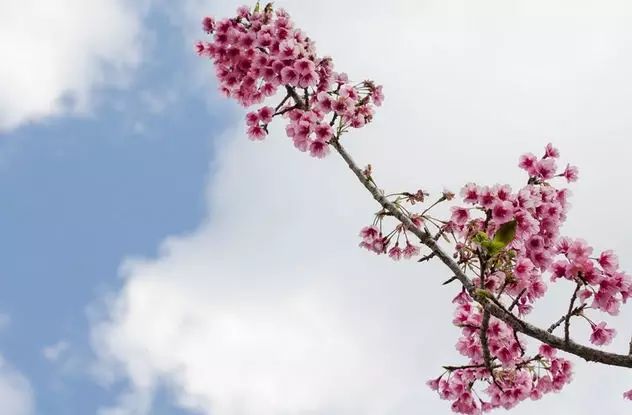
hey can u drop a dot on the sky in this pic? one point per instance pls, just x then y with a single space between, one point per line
155 261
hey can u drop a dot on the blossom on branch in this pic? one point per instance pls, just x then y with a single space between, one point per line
505 245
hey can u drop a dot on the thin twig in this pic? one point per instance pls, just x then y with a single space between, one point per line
427 257
515 334
556 324
567 320
515 302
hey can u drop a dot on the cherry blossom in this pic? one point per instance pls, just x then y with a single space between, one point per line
601 335
259 52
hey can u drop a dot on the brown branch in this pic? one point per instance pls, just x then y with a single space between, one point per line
427 257
278 107
586 353
487 356
556 324
515 335
567 320
515 302
449 281
299 102
480 365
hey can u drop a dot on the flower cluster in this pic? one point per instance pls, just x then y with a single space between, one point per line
530 379
257 52
538 210
510 376
397 243
510 241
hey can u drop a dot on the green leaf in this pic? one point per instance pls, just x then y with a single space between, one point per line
493 247
506 233
257 7
503 237
480 238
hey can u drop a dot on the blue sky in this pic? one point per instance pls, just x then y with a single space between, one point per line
83 192
151 253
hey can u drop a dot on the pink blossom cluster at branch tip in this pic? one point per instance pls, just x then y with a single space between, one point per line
508 241
257 52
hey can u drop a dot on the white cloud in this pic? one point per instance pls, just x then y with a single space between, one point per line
16 396
269 307
15 391
56 53
53 352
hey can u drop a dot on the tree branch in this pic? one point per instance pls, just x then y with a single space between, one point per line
586 353
487 356
567 320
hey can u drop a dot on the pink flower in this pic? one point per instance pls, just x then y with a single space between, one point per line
584 295
433 384
252 118
460 215
547 351
341 78
289 76
487 197
369 233
343 105
470 193
563 245
551 151
377 95
324 102
308 79
288 49
318 149
546 168
604 300
609 261
579 250
243 12
410 251
628 395
357 121
502 212
256 133
523 268
395 253
350 92
528 163
559 269
535 244
324 132
571 173
265 114
503 192
200 48
208 24
602 335
304 66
